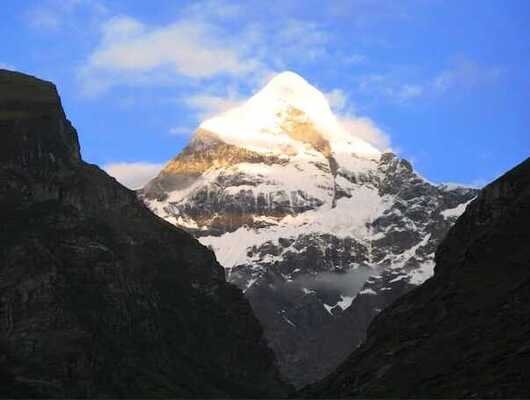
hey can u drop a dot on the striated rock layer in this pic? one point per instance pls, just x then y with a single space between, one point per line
466 331
317 227
98 296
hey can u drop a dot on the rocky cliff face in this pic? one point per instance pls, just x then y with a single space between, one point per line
98 296
464 332
317 227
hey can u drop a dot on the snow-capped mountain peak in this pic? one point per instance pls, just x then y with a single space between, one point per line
291 88
288 114
318 228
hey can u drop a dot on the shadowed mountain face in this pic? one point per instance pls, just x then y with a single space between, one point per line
466 331
98 296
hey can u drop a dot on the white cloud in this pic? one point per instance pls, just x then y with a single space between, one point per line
355 59
364 128
198 46
409 91
133 175
303 37
361 127
364 13
214 99
192 48
336 99
213 9
478 183
389 86
43 18
228 61
118 29
131 52
401 84
208 105
465 74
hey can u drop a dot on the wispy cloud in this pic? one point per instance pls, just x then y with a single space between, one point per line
221 64
303 37
399 85
199 46
131 52
44 18
354 59
363 13
192 49
478 183
133 175
362 127
214 9
366 129
207 105
52 15
465 74
389 86
337 99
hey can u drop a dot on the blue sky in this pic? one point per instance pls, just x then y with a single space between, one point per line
445 83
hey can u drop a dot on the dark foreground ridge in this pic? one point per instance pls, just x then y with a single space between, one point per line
466 331
98 296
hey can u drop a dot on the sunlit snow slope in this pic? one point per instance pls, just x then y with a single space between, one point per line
318 227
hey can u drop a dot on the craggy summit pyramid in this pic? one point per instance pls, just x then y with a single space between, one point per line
320 229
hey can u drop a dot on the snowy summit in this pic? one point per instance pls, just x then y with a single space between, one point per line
310 221
265 122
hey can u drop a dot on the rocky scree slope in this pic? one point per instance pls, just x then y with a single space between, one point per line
466 331
98 296
320 229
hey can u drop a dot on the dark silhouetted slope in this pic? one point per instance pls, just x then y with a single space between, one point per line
98 296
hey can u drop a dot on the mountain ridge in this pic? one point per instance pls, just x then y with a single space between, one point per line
464 333
100 297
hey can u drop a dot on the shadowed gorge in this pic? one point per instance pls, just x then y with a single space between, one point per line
98 296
